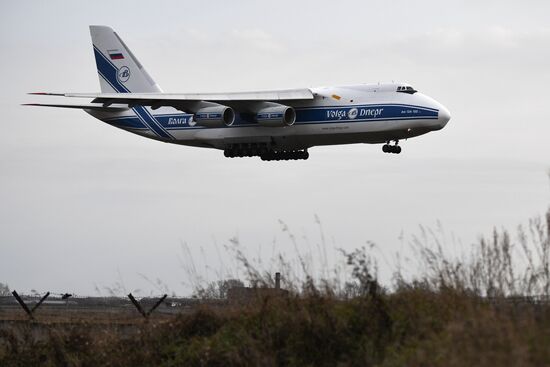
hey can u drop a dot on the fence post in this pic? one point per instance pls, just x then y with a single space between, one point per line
40 302
157 304
140 309
137 305
24 305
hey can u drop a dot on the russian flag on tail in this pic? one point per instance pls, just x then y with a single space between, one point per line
115 54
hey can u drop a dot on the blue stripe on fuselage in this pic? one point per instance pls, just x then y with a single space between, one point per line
150 121
308 115
363 113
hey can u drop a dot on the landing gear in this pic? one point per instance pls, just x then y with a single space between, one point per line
395 149
264 152
285 155
244 150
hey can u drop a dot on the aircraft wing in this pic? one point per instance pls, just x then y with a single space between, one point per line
81 106
170 99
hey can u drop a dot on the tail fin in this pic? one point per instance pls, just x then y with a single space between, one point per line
119 70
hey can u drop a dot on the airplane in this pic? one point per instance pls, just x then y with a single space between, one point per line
273 125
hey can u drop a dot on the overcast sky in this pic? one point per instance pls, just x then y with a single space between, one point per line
84 204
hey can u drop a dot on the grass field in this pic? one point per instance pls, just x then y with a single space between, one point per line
488 309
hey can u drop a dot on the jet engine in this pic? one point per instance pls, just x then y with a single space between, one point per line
215 116
276 115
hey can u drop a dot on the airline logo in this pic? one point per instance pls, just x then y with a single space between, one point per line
123 74
115 55
353 113
181 121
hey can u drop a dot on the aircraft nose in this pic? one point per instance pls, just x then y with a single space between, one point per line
443 116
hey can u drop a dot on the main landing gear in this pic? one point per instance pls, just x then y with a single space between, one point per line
265 152
387 148
285 155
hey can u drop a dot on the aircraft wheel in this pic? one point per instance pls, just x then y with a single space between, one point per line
386 148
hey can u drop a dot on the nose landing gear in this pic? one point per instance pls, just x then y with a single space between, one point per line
395 149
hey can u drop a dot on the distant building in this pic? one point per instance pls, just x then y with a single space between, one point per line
247 294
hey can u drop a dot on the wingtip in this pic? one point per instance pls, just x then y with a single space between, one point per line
30 104
45 94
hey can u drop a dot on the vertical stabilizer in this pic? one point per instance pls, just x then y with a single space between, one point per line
119 70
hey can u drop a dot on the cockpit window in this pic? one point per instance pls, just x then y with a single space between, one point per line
406 89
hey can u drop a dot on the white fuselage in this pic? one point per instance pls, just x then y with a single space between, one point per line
337 115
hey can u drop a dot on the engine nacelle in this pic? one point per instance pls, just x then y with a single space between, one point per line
215 116
277 115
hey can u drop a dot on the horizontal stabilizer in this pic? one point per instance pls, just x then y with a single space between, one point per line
81 107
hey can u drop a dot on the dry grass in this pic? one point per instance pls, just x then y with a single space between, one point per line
489 308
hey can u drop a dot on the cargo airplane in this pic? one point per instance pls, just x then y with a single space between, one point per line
273 125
